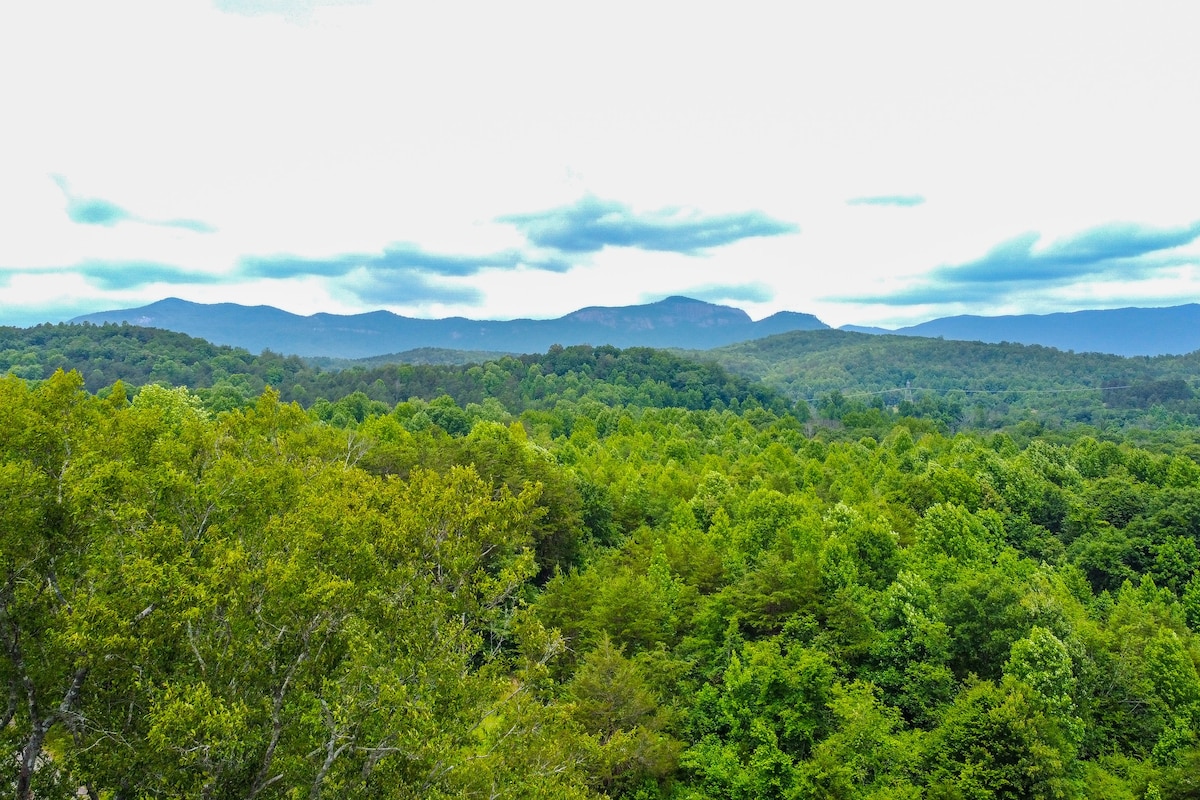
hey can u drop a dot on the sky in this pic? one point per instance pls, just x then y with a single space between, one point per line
872 163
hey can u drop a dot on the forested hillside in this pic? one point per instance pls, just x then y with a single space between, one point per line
642 579
228 378
971 383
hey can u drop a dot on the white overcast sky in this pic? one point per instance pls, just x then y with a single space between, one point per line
868 162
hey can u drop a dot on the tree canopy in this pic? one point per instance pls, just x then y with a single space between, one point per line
636 576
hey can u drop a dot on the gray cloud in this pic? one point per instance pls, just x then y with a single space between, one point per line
887 200
1122 251
291 10
400 258
411 257
408 287
548 263
96 211
284 266
1097 251
194 225
400 274
117 275
592 224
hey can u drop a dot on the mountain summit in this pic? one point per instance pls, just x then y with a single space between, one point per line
672 312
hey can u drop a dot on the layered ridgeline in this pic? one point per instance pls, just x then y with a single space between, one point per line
588 599
673 322
854 381
1122 331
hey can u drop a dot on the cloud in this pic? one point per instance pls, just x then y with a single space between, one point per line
746 292
548 263
117 275
411 257
412 288
400 258
592 224
905 200
397 258
284 266
96 211
1121 251
400 274
291 10
194 225
1100 250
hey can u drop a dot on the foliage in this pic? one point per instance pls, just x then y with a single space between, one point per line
606 573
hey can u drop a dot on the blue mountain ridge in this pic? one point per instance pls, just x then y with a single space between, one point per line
674 322
1173 330
679 322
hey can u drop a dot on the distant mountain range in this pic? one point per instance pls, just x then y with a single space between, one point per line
1120 331
673 322
679 322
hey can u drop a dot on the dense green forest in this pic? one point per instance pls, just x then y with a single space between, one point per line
971 384
587 573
